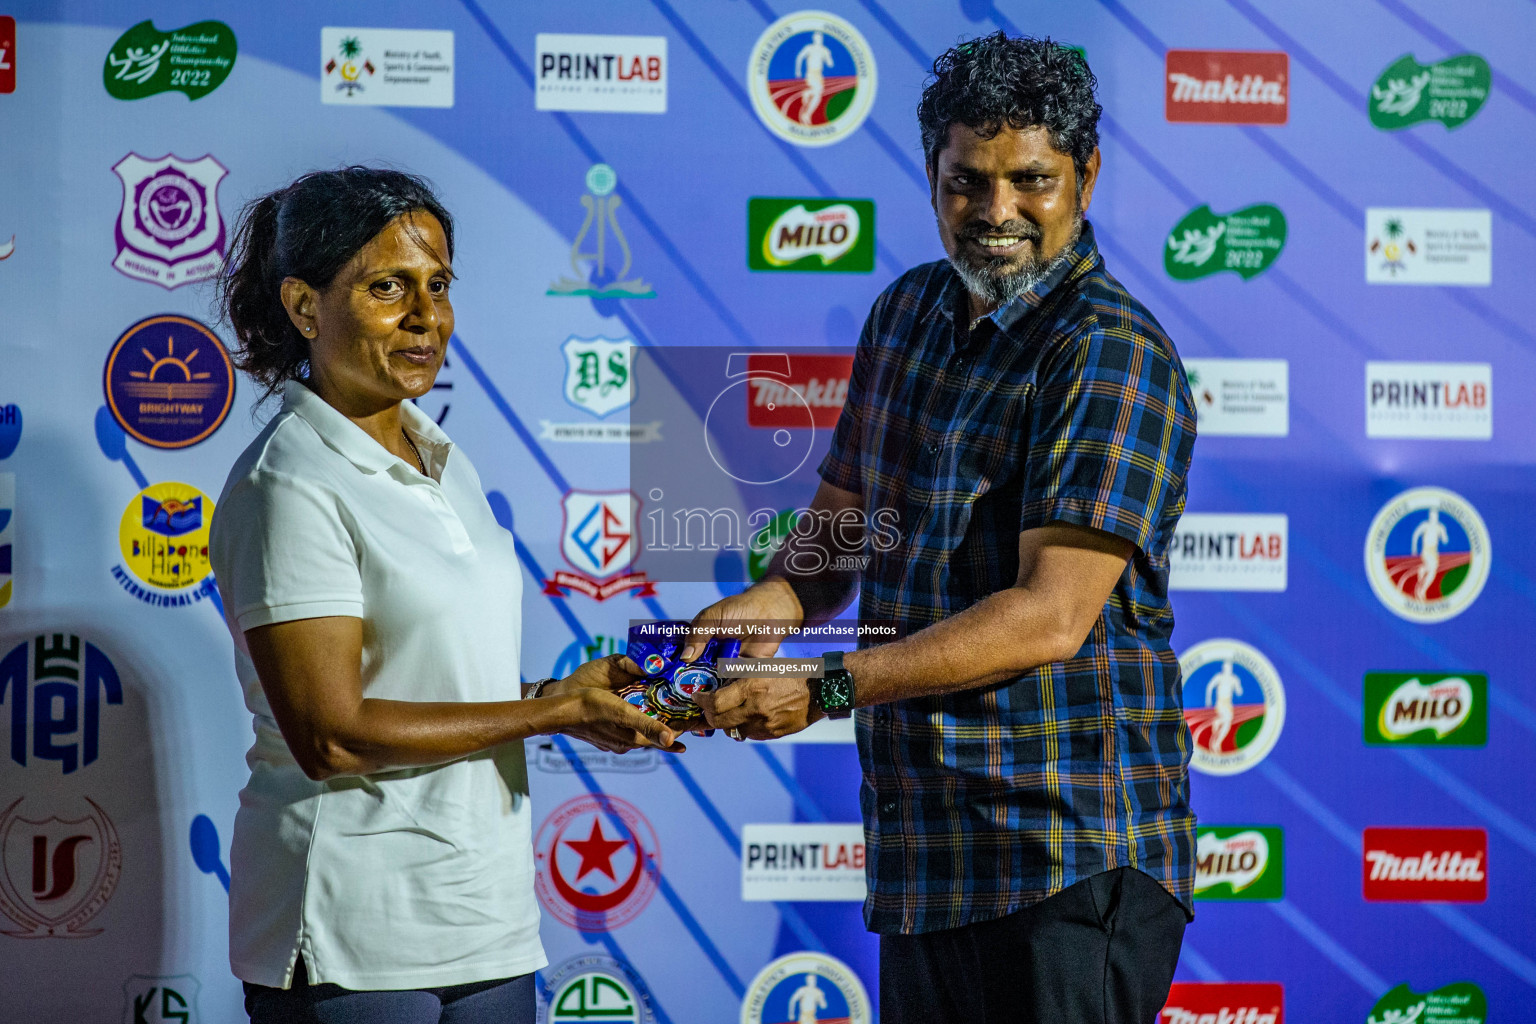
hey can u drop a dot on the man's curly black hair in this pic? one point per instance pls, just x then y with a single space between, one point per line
995 81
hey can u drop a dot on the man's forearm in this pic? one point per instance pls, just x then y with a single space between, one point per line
821 590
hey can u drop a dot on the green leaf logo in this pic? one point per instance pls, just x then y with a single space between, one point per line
194 60
1459 1003
1451 92
1245 242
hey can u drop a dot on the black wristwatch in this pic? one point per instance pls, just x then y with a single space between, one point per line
833 692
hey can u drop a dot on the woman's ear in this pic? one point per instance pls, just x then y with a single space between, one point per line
302 303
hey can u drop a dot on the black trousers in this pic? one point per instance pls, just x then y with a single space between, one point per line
1098 952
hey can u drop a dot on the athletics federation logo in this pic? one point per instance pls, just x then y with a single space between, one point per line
169 231
806 987
1427 554
811 78
1234 704
597 860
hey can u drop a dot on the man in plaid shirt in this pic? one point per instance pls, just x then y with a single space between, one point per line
1027 424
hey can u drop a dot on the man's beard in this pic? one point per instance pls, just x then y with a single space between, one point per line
992 280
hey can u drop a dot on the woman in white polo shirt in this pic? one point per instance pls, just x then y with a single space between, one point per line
382 865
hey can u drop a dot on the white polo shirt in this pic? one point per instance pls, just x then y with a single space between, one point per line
414 878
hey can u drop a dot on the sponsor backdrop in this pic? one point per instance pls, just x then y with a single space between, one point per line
1319 201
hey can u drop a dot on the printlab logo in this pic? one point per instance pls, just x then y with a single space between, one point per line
1451 92
163 536
1458 1003
1424 709
1245 242
381 67
1429 400
1227 87
1234 704
1239 863
591 987
599 379
1241 397
600 538
148 1000
601 280
64 688
811 234
1235 551
7 55
1428 246
1427 554
7 532
169 381
812 78
1425 865
802 862
1197 1002
806 987
597 860
194 60
58 873
169 231
615 74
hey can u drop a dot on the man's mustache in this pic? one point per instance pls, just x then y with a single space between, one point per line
1021 228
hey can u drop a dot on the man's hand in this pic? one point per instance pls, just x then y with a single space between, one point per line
771 600
760 708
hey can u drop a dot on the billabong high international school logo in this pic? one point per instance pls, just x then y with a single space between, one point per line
164 540
806 987
169 381
595 274
169 231
600 538
1234 704
812 78
1427 554
588 988
57 873
597 860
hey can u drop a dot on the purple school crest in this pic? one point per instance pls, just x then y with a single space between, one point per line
169 231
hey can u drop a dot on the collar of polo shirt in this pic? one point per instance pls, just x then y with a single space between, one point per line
350 441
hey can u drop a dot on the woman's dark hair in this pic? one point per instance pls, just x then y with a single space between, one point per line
994 81
308 230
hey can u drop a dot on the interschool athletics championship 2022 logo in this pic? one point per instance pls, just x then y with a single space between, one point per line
1234 704
806 987
812 78
1427 554
597 861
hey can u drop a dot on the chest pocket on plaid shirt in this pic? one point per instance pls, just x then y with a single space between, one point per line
983 455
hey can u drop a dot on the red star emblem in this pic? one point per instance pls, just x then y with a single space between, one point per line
596 851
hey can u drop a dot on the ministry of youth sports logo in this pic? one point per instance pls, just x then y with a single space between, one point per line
597 860
1427 554
806 987
1234 705
169 231
811 78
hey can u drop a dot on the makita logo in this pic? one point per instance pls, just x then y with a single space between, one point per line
1227 87
1426 864
1240 1015
1227 1002
796 391
818 394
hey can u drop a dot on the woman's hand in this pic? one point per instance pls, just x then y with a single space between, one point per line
608 721
609 673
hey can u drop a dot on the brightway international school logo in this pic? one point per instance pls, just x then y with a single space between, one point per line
57 873
169 381
812 78
597 860
600 538
169 231
1234 705
163 536
1427 554
593 987
806 987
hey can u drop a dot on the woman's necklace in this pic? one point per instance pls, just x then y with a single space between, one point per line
408 441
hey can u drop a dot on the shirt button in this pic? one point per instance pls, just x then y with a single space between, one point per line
889 808
934 447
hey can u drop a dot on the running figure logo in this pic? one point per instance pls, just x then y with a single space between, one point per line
1427 554
812 78
1230 737
807 1001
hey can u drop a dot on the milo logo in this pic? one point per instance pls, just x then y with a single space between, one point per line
194 60
1460 1003
1451 92
1239 863
811 234
1422 709
1245 242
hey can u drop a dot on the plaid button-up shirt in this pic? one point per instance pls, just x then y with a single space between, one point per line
1069 405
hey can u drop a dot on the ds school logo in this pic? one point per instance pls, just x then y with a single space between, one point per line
169 231
169 381
615 74
193 60
1458 1003
594 275
1451 92
811 77
597 860
1194 1002
1427 554
163 536
588 988
1425 864
1234 705
816 235
56 874
63 681
1426 709
1227 87
1246 863
1245 242
806 987
157 1000
386 67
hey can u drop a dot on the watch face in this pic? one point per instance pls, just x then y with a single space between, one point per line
837 692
